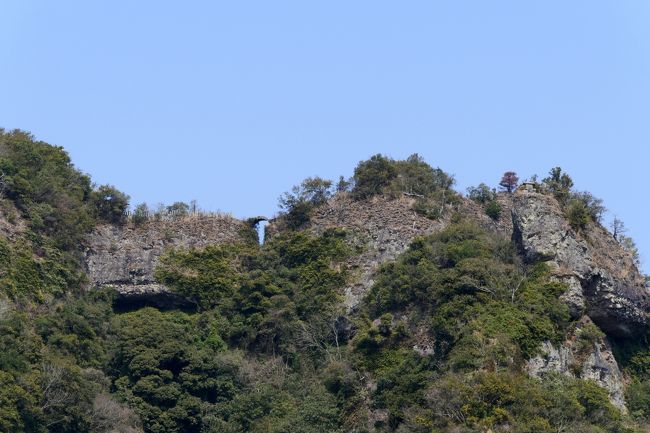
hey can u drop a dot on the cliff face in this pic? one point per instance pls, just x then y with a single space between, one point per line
589 360
604 282
604 285
125 257
383 228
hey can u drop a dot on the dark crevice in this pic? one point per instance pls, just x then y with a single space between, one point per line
161 301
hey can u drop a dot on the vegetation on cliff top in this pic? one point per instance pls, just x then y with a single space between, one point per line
380 175
438 344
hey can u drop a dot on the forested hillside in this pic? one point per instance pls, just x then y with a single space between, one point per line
384 302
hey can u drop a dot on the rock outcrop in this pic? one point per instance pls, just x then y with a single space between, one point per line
604 284
603 280
382 228
125 257
585 359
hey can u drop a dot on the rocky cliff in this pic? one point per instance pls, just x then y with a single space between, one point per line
603 280
583 358
124 257
383 227
604 284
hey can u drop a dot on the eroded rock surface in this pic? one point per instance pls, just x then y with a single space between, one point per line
604 282
382 227
125 257
584 359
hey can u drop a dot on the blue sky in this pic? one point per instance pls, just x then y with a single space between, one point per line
232 103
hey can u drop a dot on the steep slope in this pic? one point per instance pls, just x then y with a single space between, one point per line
383 227
603 281
124 257
458 313
583 356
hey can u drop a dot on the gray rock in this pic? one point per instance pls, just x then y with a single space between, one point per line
382 228
573 297
602 277
594 361
124 258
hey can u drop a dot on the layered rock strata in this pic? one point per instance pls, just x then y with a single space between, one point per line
124 257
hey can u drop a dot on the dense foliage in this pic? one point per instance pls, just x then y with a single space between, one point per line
299 204
181 377
487 198
580 207
438 344
462 296
39 183
412 177
191 373
430 187
266 296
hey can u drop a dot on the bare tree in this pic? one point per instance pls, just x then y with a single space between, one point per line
110 416
618 228
320 334
3 184
55 394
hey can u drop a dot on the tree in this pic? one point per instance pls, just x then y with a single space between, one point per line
618 228
509 181
559 184
110 203
481 194
594 205
577 214
371 176
630 246
141 213
416 177
493 210
343 185
178 209
313 190
108 416
300 202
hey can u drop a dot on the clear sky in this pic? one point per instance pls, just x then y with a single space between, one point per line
232 103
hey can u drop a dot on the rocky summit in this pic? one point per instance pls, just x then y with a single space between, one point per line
603 283
388 302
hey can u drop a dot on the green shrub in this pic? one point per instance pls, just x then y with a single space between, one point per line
60 206
638 399
514 402
264 292
577 214
110 204
481 194
141 214
372 176
579 207
559 184
178 209
299 204
493 210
